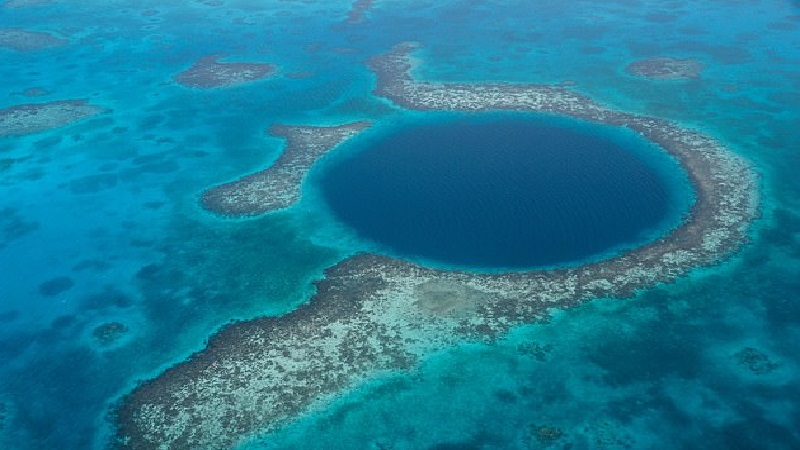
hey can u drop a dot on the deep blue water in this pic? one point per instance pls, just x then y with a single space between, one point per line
499 193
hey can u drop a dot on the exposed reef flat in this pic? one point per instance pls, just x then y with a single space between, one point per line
208 73
278 186
35 117
25 40
372 314
664 68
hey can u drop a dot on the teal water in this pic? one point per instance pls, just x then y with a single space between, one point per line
99 221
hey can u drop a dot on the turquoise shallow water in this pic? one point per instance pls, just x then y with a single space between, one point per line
100 222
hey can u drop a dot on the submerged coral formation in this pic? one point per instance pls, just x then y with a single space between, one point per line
23 3
755 361
36 117
357 10
546 434
278 186
35 92
13 225
7 413
371 314
665 68
26 40
538 351
55 286
209 73
110 332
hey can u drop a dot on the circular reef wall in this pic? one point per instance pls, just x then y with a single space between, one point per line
372 314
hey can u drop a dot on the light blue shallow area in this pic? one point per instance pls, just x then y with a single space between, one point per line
108 210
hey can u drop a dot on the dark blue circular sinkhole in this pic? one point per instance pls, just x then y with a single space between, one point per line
502 193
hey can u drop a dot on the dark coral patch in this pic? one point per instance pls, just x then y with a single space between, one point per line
546 434
592 50
147 272
299 75
110 298
55 286
93 264
108 333
9 316
35 92
357 11
666 68
755 361
14 226
25 40
93 183
63 322
23 3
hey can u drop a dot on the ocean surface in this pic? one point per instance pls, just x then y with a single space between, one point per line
100 221
506 192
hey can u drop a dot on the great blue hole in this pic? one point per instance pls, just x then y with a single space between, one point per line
505 192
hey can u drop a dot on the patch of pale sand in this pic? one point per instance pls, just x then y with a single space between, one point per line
448 298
